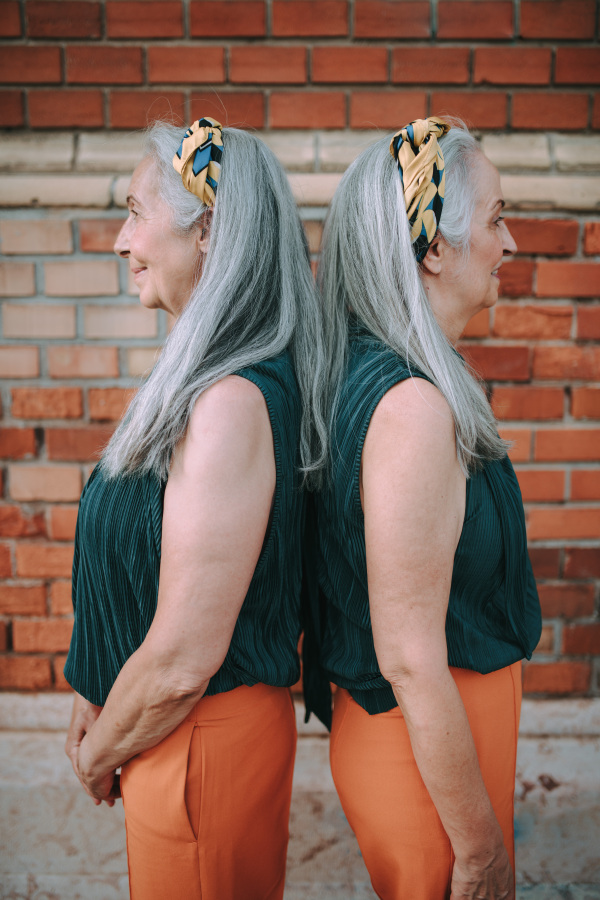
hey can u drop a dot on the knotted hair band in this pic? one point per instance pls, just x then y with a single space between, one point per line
198 159
421 166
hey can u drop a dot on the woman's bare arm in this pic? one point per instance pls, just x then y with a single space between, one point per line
216 509
413 500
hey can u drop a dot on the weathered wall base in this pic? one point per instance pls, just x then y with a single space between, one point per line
57 846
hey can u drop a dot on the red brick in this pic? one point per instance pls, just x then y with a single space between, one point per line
563 19
35 560
581 639
444 65
137 109
19 362
23 601
269 65
498 363
520 438
63 520
545 561
567 444
42 482
596 111
381 19
30 65
582 562
43 636
10 19
591 238
576 523
66 109
349 65
47 403
3 627
478 110
585 403
546 641
15 523
63 19
108 404
577 65
83 361
143 19
567 362
58 665
516 278
11 109
549 237
541 486
568 279
186 65
552 110
541 322
61 603
70 444
17 443
557 678
585 484
241 109
458 19
104 65
512 65
24 673
227 19
5 561
528 403
386 109
300 109
570 601
307 18
478 326
99 235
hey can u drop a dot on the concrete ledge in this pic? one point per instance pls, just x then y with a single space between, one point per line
52 711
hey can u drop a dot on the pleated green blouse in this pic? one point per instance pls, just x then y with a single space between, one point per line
493 614
117 560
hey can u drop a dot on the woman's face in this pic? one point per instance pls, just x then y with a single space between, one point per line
466 287
165 264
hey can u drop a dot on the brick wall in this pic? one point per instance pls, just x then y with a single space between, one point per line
316 79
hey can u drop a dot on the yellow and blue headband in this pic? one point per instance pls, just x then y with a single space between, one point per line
421 166
198 159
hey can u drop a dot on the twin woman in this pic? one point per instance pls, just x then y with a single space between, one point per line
318 459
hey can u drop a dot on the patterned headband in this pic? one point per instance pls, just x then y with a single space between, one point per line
198 159
421 166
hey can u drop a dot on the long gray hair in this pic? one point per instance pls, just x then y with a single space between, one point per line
255 298
368 268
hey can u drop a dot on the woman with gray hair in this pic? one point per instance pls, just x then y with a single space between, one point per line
186 578
429 599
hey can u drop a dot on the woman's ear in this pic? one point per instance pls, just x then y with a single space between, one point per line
433 260
204 226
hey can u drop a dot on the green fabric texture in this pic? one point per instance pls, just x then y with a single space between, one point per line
117 561
493 615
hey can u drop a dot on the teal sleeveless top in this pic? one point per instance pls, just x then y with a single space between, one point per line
117 560
493 616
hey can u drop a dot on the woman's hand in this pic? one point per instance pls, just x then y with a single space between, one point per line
83 717
100 785
490 881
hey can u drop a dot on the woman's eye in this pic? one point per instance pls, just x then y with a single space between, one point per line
498 220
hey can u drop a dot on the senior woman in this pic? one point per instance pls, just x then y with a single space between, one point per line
430 600
186 579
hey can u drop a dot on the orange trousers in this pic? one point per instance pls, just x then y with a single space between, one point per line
399 832
207 809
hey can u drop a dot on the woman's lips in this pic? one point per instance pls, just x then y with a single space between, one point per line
137 272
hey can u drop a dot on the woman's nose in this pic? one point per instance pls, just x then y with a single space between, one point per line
121 245
509 247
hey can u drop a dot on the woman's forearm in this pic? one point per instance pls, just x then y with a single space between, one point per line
146 703
445 754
